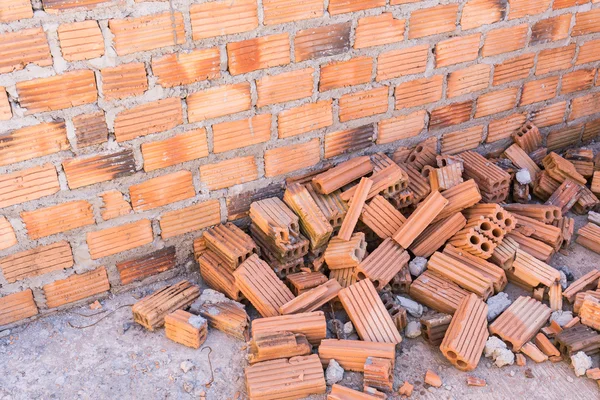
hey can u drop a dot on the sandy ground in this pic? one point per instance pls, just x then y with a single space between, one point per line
48 359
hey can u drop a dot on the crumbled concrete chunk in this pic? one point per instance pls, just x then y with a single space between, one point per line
186 366
503 357
348 328
413 329
523 177
412 307
417 266
563 280
497 304
334 372
197 321
581 362
492 344
561 317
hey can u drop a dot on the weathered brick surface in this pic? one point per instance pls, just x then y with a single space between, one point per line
124 81
76 287
228 173
81 40
38 261
226 17
148 118
33 141
90 129
5 111
60 218
184 68
305 118
15 9
263 52
17 49
28 184
190 219
162 190
321 42
379 30
87 171
7 234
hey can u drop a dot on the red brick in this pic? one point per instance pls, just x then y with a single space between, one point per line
468 80
81 40
589 52
113 205
132 35
184 68
286 159
68 90
585 105
306 118
17 306
162 190
284 87
378 30
259 53
90 129
100 168
14 10
148 118
149 265
419 92
282 11
20 48
363 104
563 137
218 101
59 218
540 90
7 234
178 149
37 261
459 141
110 241
125 80
245 132
76 287
551 29
189 219
503 128
340 74
586 22
457 50
349 140
449 115
395 63
558 4
229 172
521 8
432 21
324 41
226 17
550 115
28 184
5 111
346 6
401 127
482 12
505 40
33 141
496 102
551 60
575 81
513 69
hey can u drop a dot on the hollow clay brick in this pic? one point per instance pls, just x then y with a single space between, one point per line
271 346
436 234
230 243
387 181
520 193
579 297
188 219
17 306
304 281
342 174
488 176
466 336
352 354
578 338
460 197
331 205
586 202
402 281
549 234
339 392
416 223
383 263
423 154
565 195
536 248
281 253
33 141
125 80
312 299
541 212
312 325
461 274
355 208
544 186
150 264
313 222
382 217
37 261
533 271
447 177
119 238
437 292
7 234
398 313
379 373
586 282
435 327
487 269
471 241
179 329
417 183
589 237
486 227
217 274
275 219
561 169
522 160
504 254
344 276
520 321
344 254
494 212
113 205
228 317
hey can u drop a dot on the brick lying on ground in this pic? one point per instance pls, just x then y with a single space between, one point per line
590 312
353 354
436 234
589 237
416 223
379 373
342 253
580 297
383 263
578 338
228 317
275 219
271 346
339 392
186 329
436 292
313 299
487 269
435 326
382 217
311 324
304 281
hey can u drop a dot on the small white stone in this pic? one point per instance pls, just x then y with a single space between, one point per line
348 328
512 373
412 307
523 177
492 344
503 357
417 266
581 362
561 317
186 366
413 329
497 304
334 372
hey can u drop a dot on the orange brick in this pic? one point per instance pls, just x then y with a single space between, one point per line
286 159
148 118
284 87
346 73
589 52
126 80
132 35
28 184
591 130
113 205
419 92
513 69
459 141
505 40
496 102
81 40
395 63
229 172
162 190
481 12
586 22
346 6
151 264
76 287
259 53
540 90
468 80
90 129
349 140
178 149
551 60
20 48
551 29
7 234
60 218
432 21
521 8
225 17
322 42
563 137
88 171
17 306
378 30
14 10
457 50
70 89
567 3
503 128
56 6
363 104
117 239
306 118
397 2
5 111
282 11
189 219
585 105
37 261
449 115
245 132
184 68
33 141
219 101
575 81
550 115
401 127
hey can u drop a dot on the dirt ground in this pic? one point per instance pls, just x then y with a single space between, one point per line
115 358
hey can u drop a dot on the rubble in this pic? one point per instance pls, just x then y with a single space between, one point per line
497 304
435 326
185 328
411 306
581 362
271 346
433 379
417 266
406 389
334 373
352 354
413 329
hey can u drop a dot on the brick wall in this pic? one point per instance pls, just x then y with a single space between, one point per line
129 126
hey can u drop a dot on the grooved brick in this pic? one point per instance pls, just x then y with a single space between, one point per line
59 218
419 92
482 12
7 234
550 115
591 130
100 168
33 141
245 132
585 105
349 140
184 68
563 137
90 129
162 190
551 29
117 239
457 50
124 81
76 287
449 115
225 17
14 10
468 80
254 54
113 205
189 219
432 21
401 127
558 4
178 149
76 88
503 128
151 264
505 40
218 101
132 35
589 52
378 30
28 184
395 63
37 261
363 104
513 69
17 306
586 22
306 118
539 90
575 81
459 141
551 60
20 48
340 74
229 172
81 40
5 110
55 6
282 160
346 6
496 102
282 11
148 118
522 8
284 87
323 41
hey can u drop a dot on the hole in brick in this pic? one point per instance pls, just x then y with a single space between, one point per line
497 232
557 214
548 214
485 246
485 226
426 173
412 158
495 185
451 355
474 240
376 283
461 363
499 216
444 163
508 222
360 276
357 253
418 149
